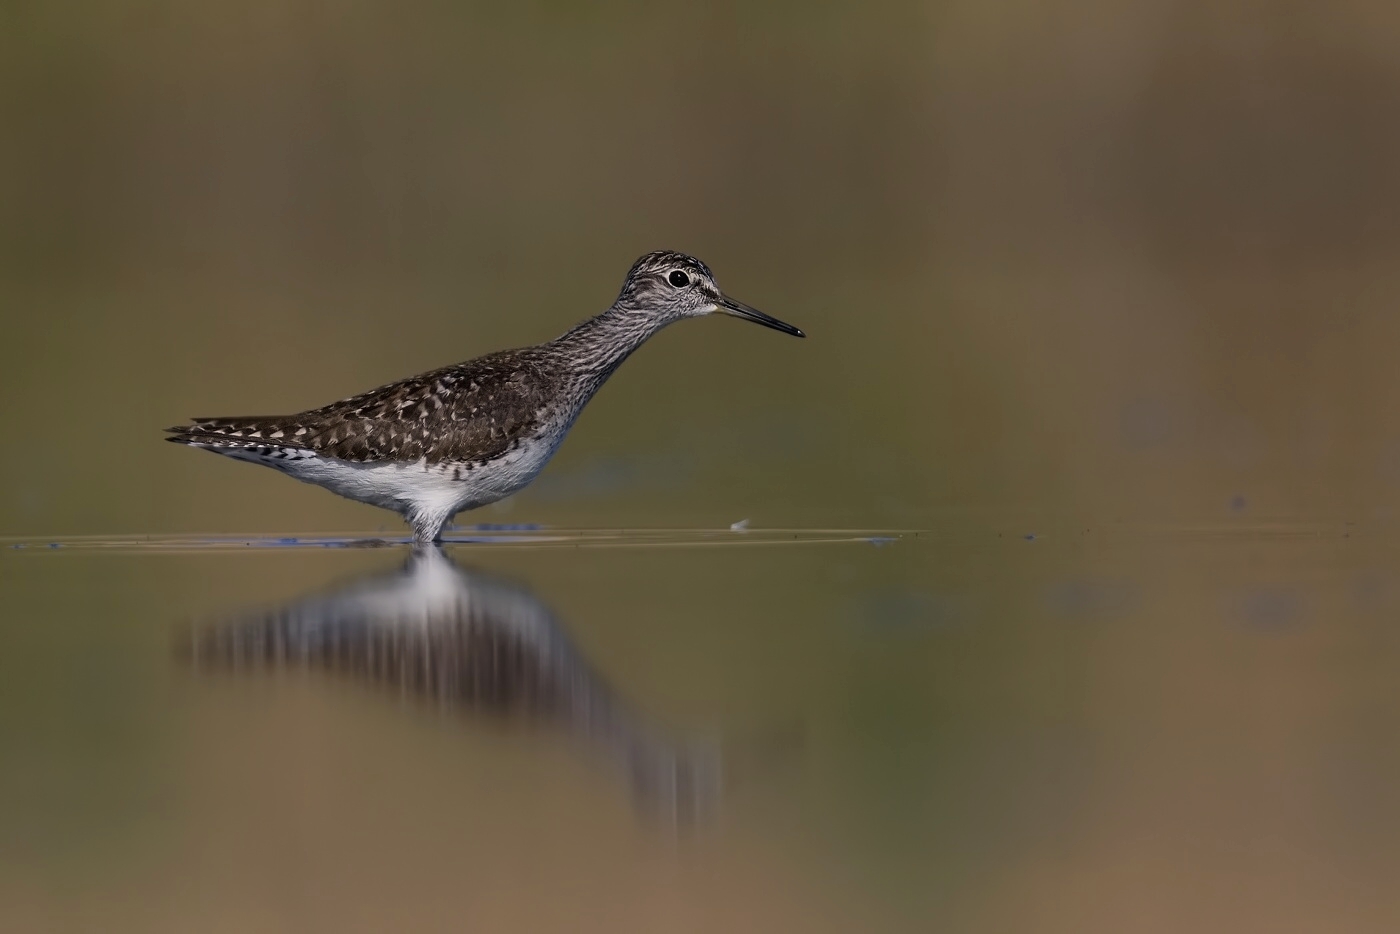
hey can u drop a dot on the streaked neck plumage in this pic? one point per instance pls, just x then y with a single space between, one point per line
598 346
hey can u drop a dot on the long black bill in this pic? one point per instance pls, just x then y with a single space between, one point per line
740 310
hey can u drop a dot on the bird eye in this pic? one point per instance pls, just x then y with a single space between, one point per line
679 279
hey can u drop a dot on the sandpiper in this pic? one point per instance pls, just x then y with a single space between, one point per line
432 445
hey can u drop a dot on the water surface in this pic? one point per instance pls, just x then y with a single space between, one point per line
1048 585
1054 730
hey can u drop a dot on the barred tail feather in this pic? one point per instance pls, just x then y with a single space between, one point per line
249 428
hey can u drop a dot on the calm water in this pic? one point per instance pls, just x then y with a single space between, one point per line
1118 728
1099 396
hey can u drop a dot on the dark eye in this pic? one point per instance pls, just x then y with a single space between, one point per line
679 279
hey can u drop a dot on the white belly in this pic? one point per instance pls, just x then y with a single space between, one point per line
420 488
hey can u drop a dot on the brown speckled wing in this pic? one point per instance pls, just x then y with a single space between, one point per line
468 413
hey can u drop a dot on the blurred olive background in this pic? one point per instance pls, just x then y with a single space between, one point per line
1108 258
1099 295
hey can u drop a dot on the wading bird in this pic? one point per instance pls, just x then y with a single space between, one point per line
466 435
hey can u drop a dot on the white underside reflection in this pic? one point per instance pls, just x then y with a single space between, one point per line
470 641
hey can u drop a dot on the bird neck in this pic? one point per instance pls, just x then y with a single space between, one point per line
598 346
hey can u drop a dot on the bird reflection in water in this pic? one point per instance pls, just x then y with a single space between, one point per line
471 641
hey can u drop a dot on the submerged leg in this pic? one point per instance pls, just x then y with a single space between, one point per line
428 526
